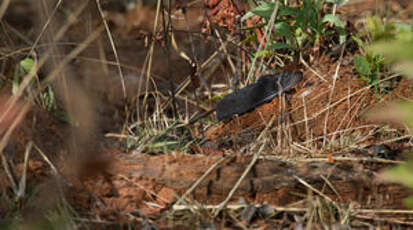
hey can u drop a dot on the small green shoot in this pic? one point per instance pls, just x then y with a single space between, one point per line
46 99
369 68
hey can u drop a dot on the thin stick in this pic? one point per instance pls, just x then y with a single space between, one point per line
244 174
45 25
234 207
112 44
311 69
355 159
314 189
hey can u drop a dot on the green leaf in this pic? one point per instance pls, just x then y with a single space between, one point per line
287 11
362 65
402 27
300 36
358 41
338 24
397 50
283 29
64 116
264 52
402 174
379 29
52 100
27 64
408 201
247 15
251 38
334 19
342 35
15 83
163 144
264 10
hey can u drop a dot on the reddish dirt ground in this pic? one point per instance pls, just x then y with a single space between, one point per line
98 177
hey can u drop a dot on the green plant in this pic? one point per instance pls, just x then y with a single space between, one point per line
400 52
369 67
298 28
47 98
154 138
370 64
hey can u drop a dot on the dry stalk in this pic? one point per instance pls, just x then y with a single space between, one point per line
3 7
45 26
224 47
335 76
22 184
150 55
331 186
351 107
311 69
112 44
235 207
314 189
267 33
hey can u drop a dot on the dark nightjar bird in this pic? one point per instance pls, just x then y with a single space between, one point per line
248 98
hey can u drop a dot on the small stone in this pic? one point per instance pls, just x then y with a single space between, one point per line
248 214
266 210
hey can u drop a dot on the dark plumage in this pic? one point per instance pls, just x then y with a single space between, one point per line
264 90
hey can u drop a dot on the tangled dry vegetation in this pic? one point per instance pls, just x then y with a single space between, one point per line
108 121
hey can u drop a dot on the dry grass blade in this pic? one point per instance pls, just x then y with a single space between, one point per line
45 26
8 172
335 76
150 55
48 161
343 99
236 207
22 184
311 69
267 33
314 189
112 44
224 47
384 220
331 186
3 7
